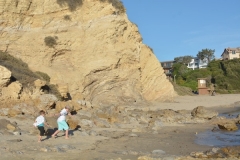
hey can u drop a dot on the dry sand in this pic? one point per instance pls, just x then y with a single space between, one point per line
173 140
191 102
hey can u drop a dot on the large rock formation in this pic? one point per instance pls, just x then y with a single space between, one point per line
88 46
8 90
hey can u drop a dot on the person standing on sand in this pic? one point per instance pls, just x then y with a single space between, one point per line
212 90
61 121
39 123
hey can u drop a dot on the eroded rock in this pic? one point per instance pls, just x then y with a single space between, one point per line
202 112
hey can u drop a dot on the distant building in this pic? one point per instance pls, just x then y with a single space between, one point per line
230 53
198 63
167 67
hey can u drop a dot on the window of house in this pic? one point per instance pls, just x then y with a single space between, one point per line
233 52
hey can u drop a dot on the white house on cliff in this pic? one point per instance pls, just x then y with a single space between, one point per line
197 63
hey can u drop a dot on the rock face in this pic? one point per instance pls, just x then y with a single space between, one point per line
87 45
8 90
5 75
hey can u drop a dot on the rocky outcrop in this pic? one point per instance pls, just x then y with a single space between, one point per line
8 90
228 125
202 112
5 76
91 48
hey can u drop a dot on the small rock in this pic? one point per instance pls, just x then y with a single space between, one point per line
133 135
17 133
158 152
45 149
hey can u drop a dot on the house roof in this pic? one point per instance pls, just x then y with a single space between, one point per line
167 61
230 49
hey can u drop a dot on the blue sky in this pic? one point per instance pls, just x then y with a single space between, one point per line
174 28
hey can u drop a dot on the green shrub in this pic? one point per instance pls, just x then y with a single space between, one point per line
67 18
19 69
224 74
72 4
116 4
24 75
50 41
44 76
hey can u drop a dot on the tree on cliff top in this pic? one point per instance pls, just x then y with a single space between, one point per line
206 54
183 59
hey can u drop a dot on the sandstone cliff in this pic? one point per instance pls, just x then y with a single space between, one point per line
89 46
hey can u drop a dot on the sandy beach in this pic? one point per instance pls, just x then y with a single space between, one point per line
190 102
117 143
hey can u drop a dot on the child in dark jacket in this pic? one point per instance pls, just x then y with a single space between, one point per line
39 123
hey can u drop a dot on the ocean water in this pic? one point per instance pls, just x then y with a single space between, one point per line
220 138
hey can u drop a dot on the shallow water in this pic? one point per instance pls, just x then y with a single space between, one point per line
220 138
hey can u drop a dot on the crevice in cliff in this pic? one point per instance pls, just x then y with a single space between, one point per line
16 3
49 21
91 76
118 63
58 53
89 84
99 70
29 5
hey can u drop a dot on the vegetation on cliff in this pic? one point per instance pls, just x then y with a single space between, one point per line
21 73
74 4
19 69
224 74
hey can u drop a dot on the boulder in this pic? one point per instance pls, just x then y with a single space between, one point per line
12 91
46 101
63 90
14 112
61 104
202 112
5 75
73 123
39 84
11 127
228 125
7 125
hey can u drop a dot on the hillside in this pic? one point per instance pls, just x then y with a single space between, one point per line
224 75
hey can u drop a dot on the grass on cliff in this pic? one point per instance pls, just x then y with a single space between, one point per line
74 4
50 41
182 90
21 73
116 4
19 69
